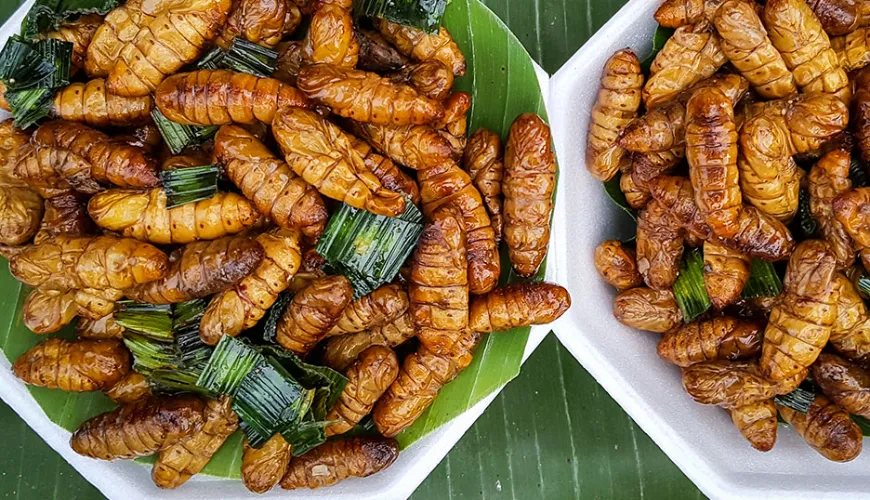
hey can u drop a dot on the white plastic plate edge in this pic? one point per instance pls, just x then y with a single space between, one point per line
700 440
128 480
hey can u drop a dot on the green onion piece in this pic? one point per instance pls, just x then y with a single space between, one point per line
50 14
858 172
763 281
863 423
22 65
187 185
306 435
860 279
179 380
267 328
327 382
151 320
58 54
362 284
689 289
660 38
150 354
266 400
412 213
192 350
230 362
798 400
362 243
211 60
188 313
614 192
422 14
29 106
804 226
248 57
176 135
204 133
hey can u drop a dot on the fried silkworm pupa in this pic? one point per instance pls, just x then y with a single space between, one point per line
258 21
438 284
726 272
659 246
377 55
157 51
232 311
431 78
390 175
615 107
367 379
65 214
800 323
79 33
483 159
133 387
757 423
200 269
73 365
861 113
102 328
263 467
846 383
219 97
289 61
828 179
11 141
617 265
144 215
313 312
797 34
100 262
321 153
839 17
853 49
849 210
107 161
732 384
692 54
275 189
178 463
417 147
340 459
379 307
421 46
517 305
330 38
636 196
341 351
827 429
676 13
746 45
718 338
20 214
92 104
94 303
140 428
120 26
47 311
367 97
850 335
647 309
529 181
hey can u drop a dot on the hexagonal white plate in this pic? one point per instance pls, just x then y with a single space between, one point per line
701 440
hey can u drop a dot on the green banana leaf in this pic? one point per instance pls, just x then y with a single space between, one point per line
502 81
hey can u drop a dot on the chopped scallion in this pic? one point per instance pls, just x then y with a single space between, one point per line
422 14
150 354
187 185
689 289
268 400
29 106
22 65
58 54
151 320
229 363
798 400
763 281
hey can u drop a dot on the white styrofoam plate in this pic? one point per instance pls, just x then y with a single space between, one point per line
701 440
127 480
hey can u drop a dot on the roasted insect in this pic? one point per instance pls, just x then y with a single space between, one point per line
263 22
313 312
861 112
732 384
201 269
800 323
79 33
647 309
322 154
92 104
262 468
726 271
849 209
850 334
276 191
383 305
797 34
47 311
616 106
828 179
219 97
431 78
73 365
852 50
20 213
746 45
65 214
378 55
692 54
421 46
720 338
847 384
157 50
176 464
517 305
367 379
102 328
330 38
839 17
414 146
119 27
529 181
483 159
390 175
341 351
676 13
144 216
340 459
757 423
100 262
827 429
140 428
617 265
242 306
659 246
289 62
133 387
